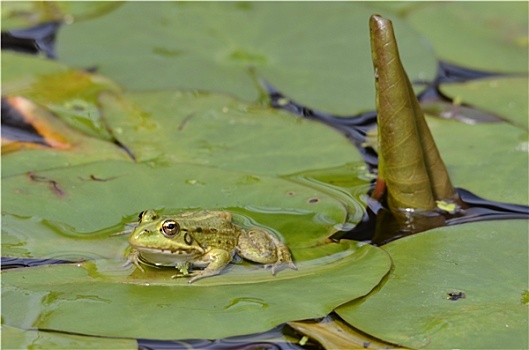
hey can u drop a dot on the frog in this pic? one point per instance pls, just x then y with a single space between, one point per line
207 239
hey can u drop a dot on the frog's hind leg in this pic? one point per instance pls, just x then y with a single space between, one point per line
263 247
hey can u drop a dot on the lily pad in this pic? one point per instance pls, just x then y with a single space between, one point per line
490 160
112 302
58 145
452 287
88 202
315 53
488 36
216 130
70 94
164 126
21 71
22 14
506 97
14 338
36 238
333 333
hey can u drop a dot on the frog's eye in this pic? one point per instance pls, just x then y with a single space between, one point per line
170 228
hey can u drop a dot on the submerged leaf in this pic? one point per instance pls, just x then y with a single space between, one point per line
333 333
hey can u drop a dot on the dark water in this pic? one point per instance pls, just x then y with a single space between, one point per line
271 340
34 40
378 226
15 263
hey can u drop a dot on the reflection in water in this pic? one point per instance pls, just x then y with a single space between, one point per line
379 226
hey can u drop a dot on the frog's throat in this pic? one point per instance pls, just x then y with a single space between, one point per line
164 257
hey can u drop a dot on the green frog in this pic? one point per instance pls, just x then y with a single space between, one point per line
202 238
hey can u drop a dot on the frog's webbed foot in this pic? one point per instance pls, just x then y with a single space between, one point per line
283 258
195 275
263 247
187 274
134 258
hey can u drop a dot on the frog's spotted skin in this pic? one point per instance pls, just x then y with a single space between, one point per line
202 238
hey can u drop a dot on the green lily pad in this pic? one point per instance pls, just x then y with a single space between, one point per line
36 238
315 53
489 160
14 338
164 126
216 130
506 97
21 71
488 36
112 302
22 14
89 202
452 287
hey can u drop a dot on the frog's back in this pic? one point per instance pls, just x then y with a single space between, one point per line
211 228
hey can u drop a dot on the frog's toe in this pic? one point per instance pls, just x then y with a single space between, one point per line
188 274
134 259
202 274
178 275
284 258
280 265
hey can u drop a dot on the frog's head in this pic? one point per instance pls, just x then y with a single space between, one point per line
161 240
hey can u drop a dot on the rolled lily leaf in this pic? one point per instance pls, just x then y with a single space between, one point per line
409 163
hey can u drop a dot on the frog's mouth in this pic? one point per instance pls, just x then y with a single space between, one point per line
166 257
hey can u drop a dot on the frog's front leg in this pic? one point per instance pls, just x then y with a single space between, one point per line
216 260
134 258
263 247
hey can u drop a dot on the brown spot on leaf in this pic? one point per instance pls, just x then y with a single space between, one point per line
54 186
183 123
92 177
313 200
456 295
